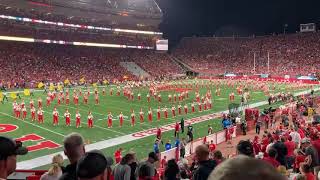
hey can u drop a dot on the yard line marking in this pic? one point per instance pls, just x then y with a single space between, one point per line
33 124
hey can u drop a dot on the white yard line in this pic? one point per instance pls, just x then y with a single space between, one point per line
25 121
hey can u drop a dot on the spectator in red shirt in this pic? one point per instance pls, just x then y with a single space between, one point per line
316 142
290 147
117 155
299 158
306 171
256 145
272 154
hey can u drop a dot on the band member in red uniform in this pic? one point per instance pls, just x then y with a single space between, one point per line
209 103
55 114
109 120
31 103
59 100
111 91
76 99
24 113
158 113
175 97
18 110
186 109
141 116
165 112
150 115
48 101
33 113
78 119
159 134
103 91
133 119
118 92
139 96
40 116
22 104
179 109
159 98
39 102
169 98
173 110
90 120
67 99
192 107
231 97
200 107
96 97
67 115
148 98
85 99
121 119
95 91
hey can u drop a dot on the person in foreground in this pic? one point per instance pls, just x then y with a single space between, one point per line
93 165
244 167
74 150
205 165
9 149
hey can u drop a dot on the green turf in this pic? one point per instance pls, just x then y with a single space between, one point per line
117 104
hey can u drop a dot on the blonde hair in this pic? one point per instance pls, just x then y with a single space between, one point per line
54 170
57 159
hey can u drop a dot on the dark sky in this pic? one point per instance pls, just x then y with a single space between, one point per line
208 17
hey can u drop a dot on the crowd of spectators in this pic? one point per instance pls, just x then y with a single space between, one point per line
40 31
48 16
27 64
295 54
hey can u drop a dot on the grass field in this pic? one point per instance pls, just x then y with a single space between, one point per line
115 104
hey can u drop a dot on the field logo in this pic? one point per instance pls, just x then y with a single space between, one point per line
5 128
47 144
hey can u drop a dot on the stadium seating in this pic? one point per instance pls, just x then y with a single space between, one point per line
26 64
296 54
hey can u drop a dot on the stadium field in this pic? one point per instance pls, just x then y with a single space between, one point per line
45 139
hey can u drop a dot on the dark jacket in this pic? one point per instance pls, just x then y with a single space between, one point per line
282 152
70 172
204 169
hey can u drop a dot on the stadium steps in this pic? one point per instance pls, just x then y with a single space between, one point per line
135 69
181 64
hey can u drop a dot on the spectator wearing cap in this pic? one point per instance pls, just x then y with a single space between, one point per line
74 150
93 165
310 152
146 169
122 170
205 165
9 149
271 158
282 151
296 138
245 148
244 167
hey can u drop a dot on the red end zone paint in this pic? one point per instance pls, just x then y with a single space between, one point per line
5 128
169 127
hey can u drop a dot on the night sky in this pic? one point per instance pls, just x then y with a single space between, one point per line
240 17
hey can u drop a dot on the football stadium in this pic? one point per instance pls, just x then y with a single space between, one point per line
152 89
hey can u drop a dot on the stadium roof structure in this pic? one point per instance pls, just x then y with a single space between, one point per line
113 12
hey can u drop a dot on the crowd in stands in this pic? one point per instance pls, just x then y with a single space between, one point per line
39 31
48 16
295 54
27 64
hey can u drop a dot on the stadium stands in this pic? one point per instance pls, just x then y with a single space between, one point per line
29 63
296 54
